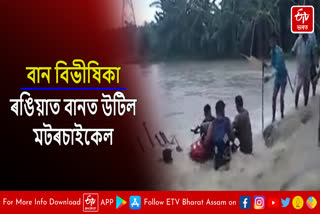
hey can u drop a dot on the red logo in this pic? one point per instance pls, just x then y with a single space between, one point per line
90 202
273 202
302 19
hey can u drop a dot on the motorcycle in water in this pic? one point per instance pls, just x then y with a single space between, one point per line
199 151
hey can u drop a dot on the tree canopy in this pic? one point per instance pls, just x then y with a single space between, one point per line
204 28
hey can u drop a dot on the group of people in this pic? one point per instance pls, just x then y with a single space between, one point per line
218 133
305 49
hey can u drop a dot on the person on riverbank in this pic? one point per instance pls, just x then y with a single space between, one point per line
304 50
281 74
315 63
241 127
219 135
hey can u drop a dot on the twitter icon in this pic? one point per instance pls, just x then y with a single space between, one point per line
286 202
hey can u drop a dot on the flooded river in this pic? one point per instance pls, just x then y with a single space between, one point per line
183 88
179 92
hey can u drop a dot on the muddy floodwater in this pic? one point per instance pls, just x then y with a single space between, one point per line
183 88
179 92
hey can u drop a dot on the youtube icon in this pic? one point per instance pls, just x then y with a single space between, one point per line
273 202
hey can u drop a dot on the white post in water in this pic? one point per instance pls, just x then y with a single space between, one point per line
262 100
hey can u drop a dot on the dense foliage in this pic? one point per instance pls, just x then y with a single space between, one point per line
206 29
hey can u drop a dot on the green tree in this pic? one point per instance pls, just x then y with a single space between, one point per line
204 28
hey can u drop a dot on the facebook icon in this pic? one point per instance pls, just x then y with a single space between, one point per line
245 202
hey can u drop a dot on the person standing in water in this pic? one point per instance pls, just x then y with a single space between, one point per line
305 55
219 136
208 118
242 127
280 72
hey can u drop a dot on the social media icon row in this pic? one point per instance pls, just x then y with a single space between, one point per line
298 202
259 202
245 202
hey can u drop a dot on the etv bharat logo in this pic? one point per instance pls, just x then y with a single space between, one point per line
302 19
90 202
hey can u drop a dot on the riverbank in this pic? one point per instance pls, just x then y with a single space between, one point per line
150 59
291 163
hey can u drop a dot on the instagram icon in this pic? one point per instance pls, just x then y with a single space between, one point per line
259 202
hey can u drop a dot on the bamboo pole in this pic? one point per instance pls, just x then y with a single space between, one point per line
148 134
252 37
262 100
